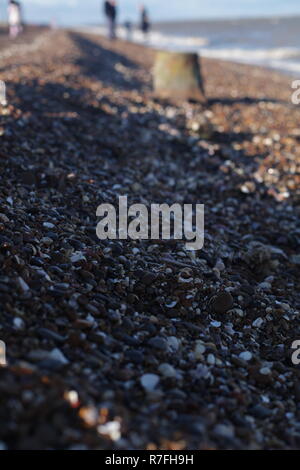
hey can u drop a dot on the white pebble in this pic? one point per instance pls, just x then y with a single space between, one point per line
149 382
246 356
265 371
211 359
111 429
19 323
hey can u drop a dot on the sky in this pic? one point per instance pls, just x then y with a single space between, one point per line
90 11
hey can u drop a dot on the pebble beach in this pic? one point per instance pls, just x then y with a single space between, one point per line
143 344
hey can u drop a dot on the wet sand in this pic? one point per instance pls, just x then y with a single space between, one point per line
85 321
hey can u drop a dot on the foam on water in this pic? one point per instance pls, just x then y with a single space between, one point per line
282 58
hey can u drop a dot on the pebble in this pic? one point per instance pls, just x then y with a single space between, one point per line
199 350
149 382
19 323
246 356
265 371
265 286
173 343
224 431
48 225
52 335
22 285
167 370
78 256
222 303
158 343
111 429
258 323
3 218
295 259
260 411
211 359
55 355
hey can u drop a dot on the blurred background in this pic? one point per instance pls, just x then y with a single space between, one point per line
262 32
70 12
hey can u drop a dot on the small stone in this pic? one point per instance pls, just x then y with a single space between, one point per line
285 307
149 382
77 256
52 335
222 430
246 356
173 343
265 371
220 266
211 360
158 343
3 218
222 302
167 370
48 225
22 285
58 356
46 241
112 429
199 350
2 446
260 412
258 322
19 323
55 355
239 312
295 259
266 286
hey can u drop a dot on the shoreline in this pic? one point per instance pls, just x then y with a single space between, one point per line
129 344
167 43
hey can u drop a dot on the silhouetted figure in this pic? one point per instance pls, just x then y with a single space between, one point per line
145 22
128 27
14 18
110 11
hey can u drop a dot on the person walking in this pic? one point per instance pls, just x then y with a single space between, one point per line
145 22
110 11
128 29
14 18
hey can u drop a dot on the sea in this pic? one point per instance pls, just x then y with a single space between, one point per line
271 42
